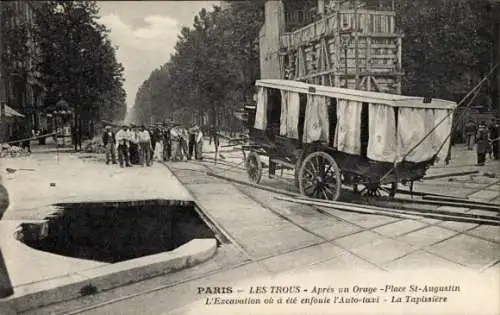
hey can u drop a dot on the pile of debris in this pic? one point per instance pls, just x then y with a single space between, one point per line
94 146
12 151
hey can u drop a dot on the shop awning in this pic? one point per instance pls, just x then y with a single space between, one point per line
10 112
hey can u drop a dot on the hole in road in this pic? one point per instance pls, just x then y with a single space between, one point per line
118 231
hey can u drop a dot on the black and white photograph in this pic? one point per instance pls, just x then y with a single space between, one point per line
250 157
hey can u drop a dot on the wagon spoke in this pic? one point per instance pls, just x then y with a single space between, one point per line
328 192
308 171
313 167
314 191
328 189
328 169
311 184
324 194
308 189
317 162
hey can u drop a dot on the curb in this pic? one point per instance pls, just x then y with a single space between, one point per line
91 281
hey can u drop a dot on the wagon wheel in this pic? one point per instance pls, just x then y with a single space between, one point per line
319 177
254 167
376 190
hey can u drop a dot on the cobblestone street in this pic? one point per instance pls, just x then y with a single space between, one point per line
271 237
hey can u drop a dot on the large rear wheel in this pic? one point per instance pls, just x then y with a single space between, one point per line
319 177
376 190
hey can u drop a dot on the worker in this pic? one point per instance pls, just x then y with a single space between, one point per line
167 142
145 146
109 142
493 139
199 144
470 133
192 142
122 139
482 143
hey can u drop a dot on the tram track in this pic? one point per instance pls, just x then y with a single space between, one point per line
251 260
422 207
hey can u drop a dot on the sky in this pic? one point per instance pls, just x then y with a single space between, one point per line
145 33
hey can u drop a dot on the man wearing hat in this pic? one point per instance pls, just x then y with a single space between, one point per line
145 146
482 146
122 139
199 143
109 141
191 142
494 139
167 142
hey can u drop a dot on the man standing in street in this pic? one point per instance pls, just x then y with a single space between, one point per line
184 139
482 143
167 143
130 139
470 133
494 139
109 141
145 146
199 144
122 146
175 136
192 142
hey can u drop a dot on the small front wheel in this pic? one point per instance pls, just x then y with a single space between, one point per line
254 167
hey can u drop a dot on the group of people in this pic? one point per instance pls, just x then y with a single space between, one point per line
141 145
486 139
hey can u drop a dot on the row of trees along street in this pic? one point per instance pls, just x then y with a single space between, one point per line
214 66
77 61
448 46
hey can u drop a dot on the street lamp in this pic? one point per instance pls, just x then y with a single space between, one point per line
345 41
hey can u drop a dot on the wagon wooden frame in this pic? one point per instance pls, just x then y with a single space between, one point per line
321 169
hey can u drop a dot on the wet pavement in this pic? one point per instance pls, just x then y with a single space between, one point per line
273 236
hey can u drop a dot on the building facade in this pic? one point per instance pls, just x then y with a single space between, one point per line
350 43
20 86
225 5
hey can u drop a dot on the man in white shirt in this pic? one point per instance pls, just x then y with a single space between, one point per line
145 147
122 139
199 143
175 137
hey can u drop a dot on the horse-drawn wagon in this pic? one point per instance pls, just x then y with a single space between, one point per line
332 136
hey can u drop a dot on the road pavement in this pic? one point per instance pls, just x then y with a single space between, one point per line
342 242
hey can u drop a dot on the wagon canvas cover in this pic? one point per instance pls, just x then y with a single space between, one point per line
390 139
348 131
316 122
290 110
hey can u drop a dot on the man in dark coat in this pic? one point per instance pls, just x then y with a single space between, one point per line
192 142
470 133
494 139
482 143
109 142
167 143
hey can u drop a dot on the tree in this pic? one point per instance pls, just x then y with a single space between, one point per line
78 61
14 49
212 70
447 46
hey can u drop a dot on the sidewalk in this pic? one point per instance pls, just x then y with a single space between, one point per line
79 178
